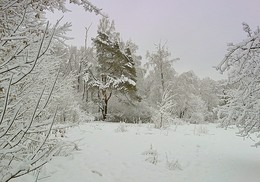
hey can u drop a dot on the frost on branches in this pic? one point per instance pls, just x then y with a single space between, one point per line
161 115
25 86
242 63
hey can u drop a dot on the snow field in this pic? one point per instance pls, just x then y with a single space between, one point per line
114 152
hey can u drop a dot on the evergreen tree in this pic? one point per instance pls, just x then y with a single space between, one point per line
115 68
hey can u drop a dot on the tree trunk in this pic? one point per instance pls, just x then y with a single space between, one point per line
162 77
161 123
78 86
105 104
105 110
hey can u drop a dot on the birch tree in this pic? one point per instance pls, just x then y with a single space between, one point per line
161 63
161 114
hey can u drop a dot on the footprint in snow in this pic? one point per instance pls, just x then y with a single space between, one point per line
96 172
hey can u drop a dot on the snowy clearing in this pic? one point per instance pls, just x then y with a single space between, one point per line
110 152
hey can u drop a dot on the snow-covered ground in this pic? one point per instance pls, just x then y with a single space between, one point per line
187 153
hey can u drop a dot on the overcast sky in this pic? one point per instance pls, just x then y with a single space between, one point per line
196 31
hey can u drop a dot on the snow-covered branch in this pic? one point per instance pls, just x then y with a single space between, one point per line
242 63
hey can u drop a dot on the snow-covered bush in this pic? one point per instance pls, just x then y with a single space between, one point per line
129 112
161 115
151 155
200 129
161 121
196 110
121 127
173 164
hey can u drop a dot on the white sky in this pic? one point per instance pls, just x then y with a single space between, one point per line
196 31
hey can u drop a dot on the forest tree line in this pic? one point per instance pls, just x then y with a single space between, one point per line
114 85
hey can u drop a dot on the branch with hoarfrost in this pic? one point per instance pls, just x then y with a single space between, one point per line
242 63
237 53
20 151
27 113
161 116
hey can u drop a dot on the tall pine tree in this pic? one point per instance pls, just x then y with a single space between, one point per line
115 68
